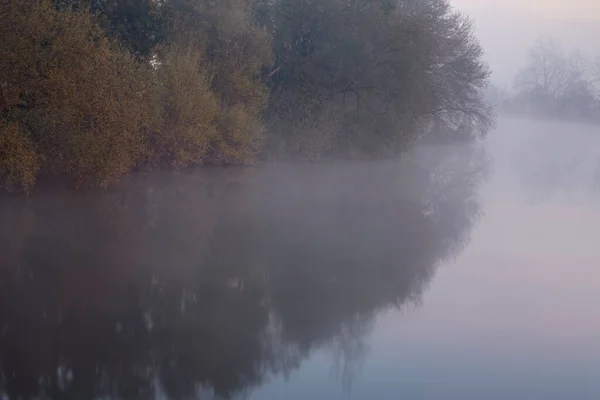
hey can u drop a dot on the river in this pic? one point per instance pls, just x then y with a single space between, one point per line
457 272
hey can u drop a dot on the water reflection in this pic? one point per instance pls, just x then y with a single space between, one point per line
203 284
548 159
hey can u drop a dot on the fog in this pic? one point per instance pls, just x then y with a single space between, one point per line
506 29
259 281
547 159
287 210
220 279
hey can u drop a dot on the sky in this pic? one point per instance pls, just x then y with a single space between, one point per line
507 28
577 9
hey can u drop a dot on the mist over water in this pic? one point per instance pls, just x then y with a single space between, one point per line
210 281
463 264
548 158
459 270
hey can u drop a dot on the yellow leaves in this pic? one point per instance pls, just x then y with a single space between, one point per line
18 160
205 119
189 109
78 92
241 135
93 112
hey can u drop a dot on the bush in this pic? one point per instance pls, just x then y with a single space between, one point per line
241 133
213 81
190 110
18 160
84 99
196 126
209 76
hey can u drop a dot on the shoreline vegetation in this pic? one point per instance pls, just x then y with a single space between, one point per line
91 90
555 84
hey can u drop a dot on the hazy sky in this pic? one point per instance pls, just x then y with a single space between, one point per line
580 9
506 28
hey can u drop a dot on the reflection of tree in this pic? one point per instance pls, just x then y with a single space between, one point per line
206 283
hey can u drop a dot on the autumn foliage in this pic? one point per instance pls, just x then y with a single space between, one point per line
92 90
75 102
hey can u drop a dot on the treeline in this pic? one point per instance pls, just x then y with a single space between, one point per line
93 89
556 84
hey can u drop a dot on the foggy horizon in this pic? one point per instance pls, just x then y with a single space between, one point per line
299 199
506 30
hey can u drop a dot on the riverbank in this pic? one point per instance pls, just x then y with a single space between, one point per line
90 94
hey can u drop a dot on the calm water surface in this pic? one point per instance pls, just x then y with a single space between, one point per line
456 273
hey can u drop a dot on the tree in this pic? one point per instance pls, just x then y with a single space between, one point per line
190 110
92 89
230 52
138 24
546 73
596 77
76 104
554 82
368 77
19 162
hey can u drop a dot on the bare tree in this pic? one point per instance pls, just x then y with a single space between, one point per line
554 81
546 72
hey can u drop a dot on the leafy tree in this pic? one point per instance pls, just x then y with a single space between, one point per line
371 75
189 110
138 24
18 159
71 95
230 51
92 89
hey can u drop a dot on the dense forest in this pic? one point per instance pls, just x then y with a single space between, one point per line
93 89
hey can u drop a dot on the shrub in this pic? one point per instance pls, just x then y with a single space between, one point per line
190 110
84 99
196 125
230 51
18 160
